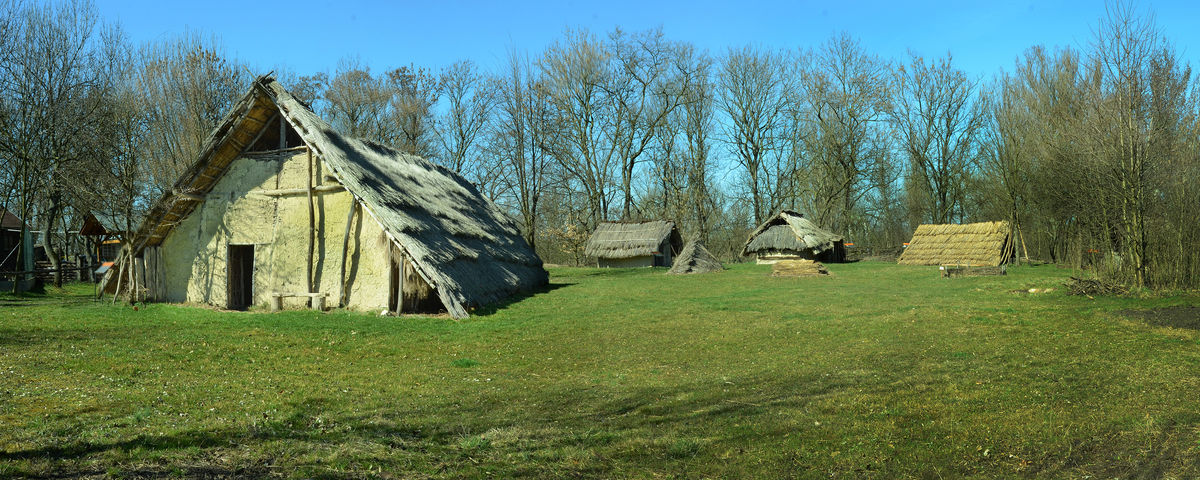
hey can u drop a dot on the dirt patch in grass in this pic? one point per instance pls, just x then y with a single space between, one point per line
1177 317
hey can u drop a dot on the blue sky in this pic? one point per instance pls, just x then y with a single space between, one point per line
310 36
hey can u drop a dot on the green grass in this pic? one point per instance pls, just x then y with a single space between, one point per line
879 371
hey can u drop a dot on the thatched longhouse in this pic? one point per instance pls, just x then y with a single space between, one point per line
789 236
282 210
973 244
634 244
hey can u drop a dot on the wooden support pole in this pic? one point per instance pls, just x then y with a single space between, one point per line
282 134
263 130
120 276
281 192
346 252
311 222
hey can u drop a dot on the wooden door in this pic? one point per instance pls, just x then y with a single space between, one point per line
241 276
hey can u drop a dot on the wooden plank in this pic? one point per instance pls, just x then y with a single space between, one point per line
297 191
189 197
281 150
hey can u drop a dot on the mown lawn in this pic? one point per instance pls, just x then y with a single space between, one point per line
879 371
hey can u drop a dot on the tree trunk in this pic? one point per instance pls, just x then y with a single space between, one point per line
52 253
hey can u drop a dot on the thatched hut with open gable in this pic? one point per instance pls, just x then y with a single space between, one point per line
987 244
634 244
281 210
789 236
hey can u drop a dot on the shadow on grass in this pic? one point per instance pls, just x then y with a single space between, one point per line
494 308
621 426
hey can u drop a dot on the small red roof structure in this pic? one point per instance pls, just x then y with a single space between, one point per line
8 221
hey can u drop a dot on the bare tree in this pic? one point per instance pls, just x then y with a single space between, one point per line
414 93
573 73
644 88
52 83
187 86
752 87
938 122
520 140
358 103
469 99
841 132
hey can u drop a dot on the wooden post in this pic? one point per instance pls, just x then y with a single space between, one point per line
400 280
148 256
311 223
282 133
139 277
120 266
1023 247
341 301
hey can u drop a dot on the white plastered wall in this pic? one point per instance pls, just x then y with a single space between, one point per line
236 211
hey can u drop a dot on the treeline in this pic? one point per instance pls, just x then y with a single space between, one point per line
1092 153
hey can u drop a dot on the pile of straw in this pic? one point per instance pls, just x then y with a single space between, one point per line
798 268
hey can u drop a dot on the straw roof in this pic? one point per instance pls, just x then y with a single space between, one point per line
978 244
465 247
631 239
790 231
694 258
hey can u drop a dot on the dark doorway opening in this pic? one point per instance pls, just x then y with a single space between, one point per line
241 276
408 292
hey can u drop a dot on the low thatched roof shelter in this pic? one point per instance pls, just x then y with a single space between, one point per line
974 244
634 244
694 258
788 235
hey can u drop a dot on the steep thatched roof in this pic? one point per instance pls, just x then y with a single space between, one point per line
790 231
982 244
694 258
460 242
631 239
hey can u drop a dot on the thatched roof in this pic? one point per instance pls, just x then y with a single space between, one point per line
694 258
463 245
980 244
100 224
631 239
790 231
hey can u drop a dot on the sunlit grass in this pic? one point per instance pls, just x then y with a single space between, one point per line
876 371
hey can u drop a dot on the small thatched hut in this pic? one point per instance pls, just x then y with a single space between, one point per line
634 244
973 244
790 236
282 210
694 258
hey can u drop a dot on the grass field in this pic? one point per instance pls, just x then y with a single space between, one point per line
879 371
